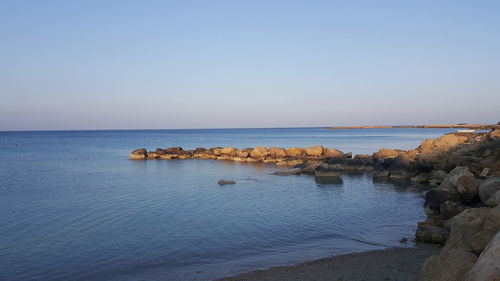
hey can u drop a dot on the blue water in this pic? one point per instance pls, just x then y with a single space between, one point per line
73 207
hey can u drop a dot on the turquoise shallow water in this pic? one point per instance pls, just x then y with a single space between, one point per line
73 207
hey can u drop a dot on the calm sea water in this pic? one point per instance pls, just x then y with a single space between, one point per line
73 207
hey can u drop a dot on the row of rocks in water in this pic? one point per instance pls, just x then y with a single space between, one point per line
463 205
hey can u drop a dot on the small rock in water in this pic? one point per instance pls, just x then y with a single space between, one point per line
223 182
403 240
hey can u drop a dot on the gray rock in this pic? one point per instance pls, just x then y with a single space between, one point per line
434 198
487 267
432 234
488 188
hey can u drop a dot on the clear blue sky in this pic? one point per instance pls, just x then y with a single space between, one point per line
205 64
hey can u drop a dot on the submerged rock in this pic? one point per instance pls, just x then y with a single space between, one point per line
223 182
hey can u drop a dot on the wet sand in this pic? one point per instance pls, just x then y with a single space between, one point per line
398 264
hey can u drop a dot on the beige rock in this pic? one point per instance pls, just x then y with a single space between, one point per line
487 267
295 151
153 155
139 154
242 153
331 152
316 150
384 153
259 151
495 134
228 151
277 152
450 267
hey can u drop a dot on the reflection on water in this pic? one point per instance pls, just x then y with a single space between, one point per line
73 207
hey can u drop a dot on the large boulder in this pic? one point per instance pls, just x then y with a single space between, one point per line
326 170
331 152
470 232
488 190
452 178
487 267
259 152
139 154
450 267
228 151
173 149
436 197
431 234
277 152
384 153
316 150
468 188
294 152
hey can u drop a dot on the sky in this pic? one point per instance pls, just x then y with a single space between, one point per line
78 65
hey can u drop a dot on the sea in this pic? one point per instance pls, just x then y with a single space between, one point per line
74 207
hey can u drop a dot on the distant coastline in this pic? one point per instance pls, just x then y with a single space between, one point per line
457 126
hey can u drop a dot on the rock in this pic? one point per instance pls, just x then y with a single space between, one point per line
403 240
473 229
358 164
160 151
384 153
308 167
452 178
295 151
152 155
228 151
419 179
330 152
326 170
139 154
200 149
449 267
434 198
223 182
432 234
316 150
277 153
487 266
484 172
450 209
242 153
468 188
173 149
495 134
259 152
217 151
294 171
487 190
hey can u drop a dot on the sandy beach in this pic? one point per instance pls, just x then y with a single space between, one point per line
398 264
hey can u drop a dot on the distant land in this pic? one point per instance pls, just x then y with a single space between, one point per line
457 126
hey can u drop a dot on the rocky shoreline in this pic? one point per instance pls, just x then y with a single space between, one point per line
462 203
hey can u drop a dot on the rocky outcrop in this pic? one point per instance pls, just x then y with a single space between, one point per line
139 154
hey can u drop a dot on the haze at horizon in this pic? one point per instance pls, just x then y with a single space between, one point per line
200 64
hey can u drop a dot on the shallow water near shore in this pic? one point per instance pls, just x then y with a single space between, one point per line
73 207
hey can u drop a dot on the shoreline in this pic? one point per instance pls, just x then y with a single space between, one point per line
445 126
398 264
